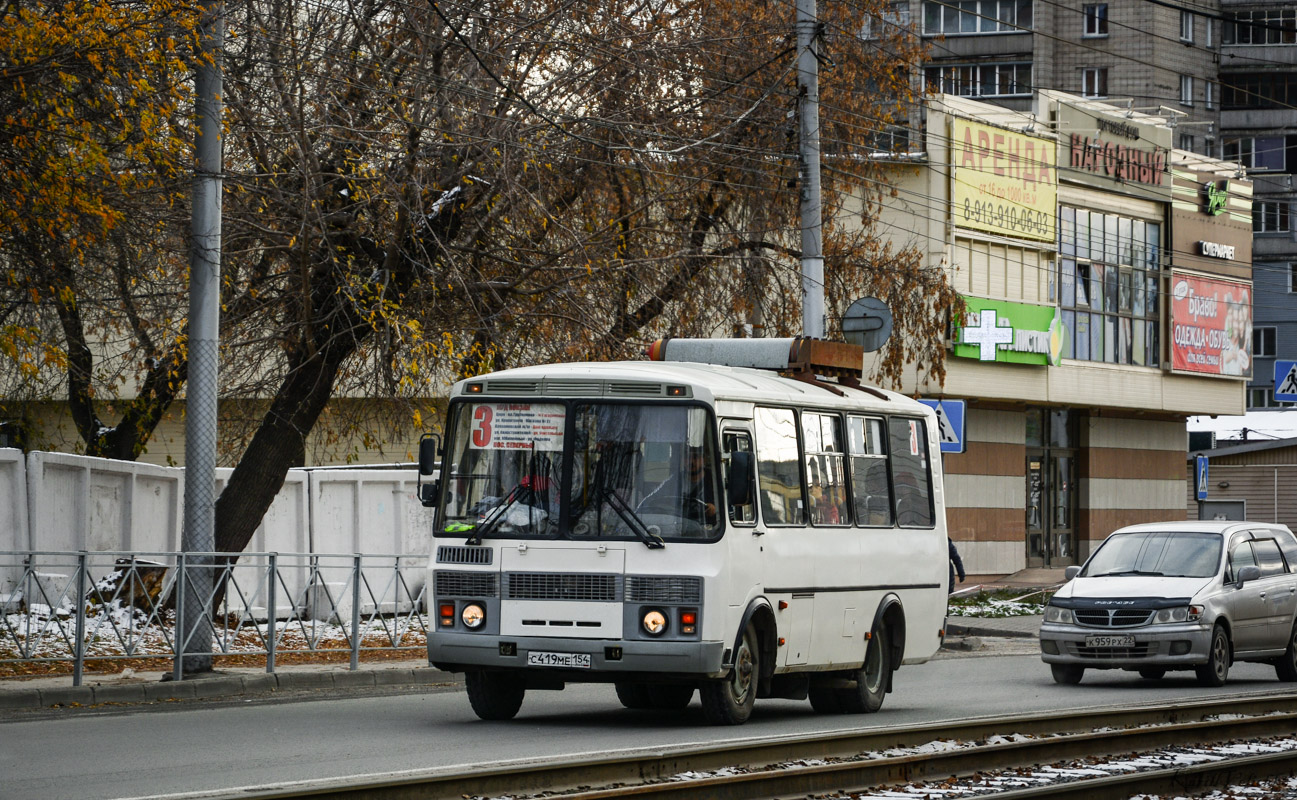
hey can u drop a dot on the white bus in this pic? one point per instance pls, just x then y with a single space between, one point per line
725 519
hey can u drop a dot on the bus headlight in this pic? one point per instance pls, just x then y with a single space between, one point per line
1056 614
655 622
473 616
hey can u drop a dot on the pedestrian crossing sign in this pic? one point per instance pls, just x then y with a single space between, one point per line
950 423
1285 381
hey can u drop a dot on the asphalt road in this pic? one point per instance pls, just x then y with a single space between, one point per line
180 747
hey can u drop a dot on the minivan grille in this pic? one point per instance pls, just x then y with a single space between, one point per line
664 589
561 586
1112 617
450 583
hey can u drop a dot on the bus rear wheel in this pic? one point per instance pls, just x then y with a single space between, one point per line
871 678
494 695
729 700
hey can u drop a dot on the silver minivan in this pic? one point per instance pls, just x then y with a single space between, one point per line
1178 596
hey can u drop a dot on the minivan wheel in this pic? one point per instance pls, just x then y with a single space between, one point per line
1067 674
1216 670
1286 666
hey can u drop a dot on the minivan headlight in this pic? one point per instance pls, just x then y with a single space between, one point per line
1056 614
1166 616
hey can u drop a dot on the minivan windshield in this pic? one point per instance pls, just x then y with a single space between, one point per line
1178 554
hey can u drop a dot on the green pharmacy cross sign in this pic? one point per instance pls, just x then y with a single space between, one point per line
1015 333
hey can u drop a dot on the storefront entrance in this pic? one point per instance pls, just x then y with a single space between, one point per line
1051 488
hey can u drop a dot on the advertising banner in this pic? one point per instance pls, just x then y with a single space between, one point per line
1114 153
1211 326
1004 182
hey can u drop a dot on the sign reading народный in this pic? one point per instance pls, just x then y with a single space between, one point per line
1004 181
1114 153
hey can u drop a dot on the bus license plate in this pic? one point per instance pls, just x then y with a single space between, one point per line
1110 641
577 660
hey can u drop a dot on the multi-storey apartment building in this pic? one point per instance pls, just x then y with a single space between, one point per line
1258 77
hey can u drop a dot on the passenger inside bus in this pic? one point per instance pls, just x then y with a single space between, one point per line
690 487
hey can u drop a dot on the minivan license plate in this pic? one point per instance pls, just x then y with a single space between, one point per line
578 660
1110 641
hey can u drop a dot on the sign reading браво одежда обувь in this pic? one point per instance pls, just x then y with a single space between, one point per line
1004 182
1016 333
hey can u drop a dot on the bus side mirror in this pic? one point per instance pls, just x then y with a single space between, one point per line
739 479
429 449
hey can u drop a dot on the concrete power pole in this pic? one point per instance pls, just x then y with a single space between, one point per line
194 645
808 102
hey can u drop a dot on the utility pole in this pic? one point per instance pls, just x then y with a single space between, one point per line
808 106
194 642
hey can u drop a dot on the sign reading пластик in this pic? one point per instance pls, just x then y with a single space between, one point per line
1004 181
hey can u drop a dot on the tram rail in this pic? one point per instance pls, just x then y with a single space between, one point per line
853 760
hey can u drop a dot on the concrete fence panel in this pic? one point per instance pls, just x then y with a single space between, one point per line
285 528
82 503
13 513
372 511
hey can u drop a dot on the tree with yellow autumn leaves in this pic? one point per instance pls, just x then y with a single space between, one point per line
421 190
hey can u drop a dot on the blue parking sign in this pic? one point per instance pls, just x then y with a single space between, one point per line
950 423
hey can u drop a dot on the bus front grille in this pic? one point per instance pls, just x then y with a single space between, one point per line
562 586
449 583
664 589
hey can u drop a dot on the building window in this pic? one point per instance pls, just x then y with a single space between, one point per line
1270 216
1208 40
981 80
1094 82
1257 152
1268 26
1263 342
1108 270
1186 26
1209 95
1259 90
1209 147
895 18
1263 397
1186 90
1292 277
1186 141
976 16
1096 19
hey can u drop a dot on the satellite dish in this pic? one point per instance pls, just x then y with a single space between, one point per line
867 323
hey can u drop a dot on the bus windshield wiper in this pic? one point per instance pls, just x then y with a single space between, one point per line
489 524
633 521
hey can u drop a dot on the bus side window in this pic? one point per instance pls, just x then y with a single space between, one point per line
740 442
911 477
825 469
867 447
779 478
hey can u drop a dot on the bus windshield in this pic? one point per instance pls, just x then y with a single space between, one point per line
637 471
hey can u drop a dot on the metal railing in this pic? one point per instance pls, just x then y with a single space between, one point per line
92 606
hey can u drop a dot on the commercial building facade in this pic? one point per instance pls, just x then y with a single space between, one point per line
1107 279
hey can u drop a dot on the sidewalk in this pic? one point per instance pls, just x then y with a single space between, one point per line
148 687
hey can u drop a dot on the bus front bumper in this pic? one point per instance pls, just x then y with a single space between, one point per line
593 658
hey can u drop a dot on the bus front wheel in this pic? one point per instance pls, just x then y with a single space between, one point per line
729 700
494 695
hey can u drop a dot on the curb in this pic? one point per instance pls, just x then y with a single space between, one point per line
216 685
986 627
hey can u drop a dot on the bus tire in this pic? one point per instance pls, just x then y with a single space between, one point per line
670 696
824 700
871 679
633 695
729 700
494 695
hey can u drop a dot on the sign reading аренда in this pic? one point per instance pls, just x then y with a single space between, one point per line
1004 182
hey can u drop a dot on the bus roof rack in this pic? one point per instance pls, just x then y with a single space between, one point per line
798 357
